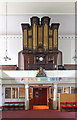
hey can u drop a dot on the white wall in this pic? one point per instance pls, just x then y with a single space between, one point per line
32 73
14 46
67 23
14 33
66 45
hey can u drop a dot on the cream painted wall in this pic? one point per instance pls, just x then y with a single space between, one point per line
67 23
14 46
66 45
14 34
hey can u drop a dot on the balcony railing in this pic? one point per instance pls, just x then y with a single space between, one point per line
44 66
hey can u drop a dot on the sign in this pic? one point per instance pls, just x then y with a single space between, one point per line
41 79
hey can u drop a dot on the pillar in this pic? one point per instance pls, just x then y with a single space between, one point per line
49 92
63 89
55 97
32 92
26 97
0 94
70 89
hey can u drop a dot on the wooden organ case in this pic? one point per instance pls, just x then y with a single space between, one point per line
40 45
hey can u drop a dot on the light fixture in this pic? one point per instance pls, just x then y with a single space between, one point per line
75 57
6 52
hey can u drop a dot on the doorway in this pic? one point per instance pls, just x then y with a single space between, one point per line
40 96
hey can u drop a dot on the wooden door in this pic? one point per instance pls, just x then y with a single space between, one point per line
40 96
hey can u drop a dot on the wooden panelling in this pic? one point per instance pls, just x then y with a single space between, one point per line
40 39
26 62
31 59
70 66
67 98
8 67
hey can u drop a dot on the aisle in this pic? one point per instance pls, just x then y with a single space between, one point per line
37 114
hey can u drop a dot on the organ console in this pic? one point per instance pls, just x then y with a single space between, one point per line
40 45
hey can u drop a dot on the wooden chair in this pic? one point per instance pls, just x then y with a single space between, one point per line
69 106
63 106
74 106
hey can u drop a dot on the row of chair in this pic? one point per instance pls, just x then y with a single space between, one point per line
68 106
14 106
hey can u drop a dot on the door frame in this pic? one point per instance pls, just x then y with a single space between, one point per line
47 91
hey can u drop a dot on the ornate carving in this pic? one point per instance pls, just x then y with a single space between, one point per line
40 33
41 73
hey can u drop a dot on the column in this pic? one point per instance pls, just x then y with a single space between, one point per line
55 97
70 89
63 89
26 97
32 92
49 92
18 93
0 94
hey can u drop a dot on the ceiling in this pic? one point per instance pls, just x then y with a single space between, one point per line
22 8
20 12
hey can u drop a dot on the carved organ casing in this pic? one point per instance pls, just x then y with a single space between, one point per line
40 44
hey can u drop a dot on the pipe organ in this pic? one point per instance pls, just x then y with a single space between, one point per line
40 44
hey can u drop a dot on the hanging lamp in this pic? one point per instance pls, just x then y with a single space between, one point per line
75 57
6 52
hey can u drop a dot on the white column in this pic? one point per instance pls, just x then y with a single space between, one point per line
70 89
11 92
0 94
18 93
32 92
49 92
63 89
55 97
26 97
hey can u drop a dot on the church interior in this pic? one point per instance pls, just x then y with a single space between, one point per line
38 56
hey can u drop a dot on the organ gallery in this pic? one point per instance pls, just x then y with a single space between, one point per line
40 45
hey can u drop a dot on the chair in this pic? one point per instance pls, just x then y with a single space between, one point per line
63 106
69 106
74 106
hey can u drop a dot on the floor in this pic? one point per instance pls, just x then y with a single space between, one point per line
38 114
